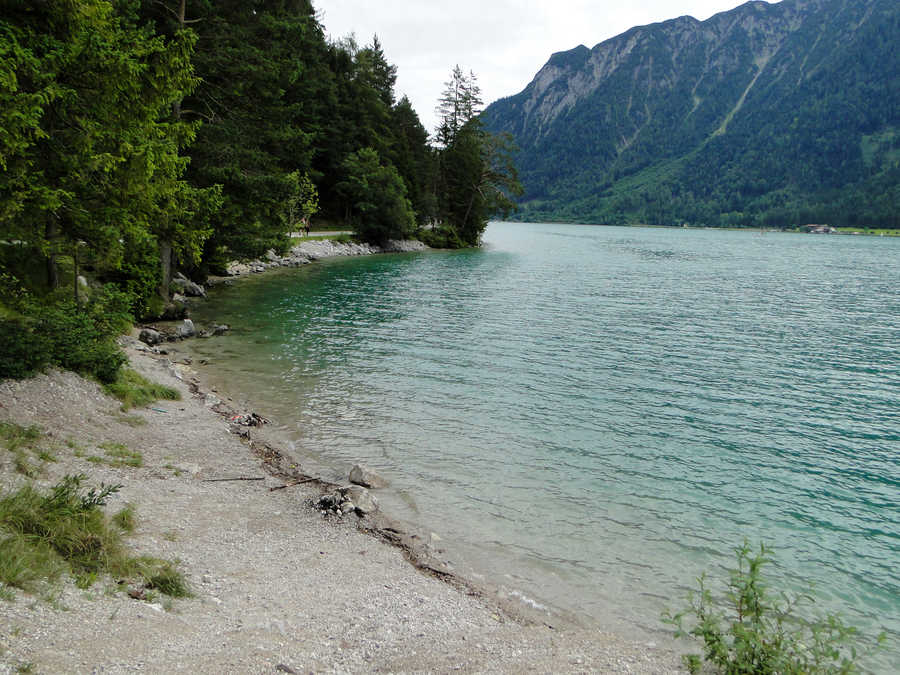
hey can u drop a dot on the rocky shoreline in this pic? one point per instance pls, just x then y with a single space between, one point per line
317 249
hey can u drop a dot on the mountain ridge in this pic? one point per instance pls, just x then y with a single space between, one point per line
713 114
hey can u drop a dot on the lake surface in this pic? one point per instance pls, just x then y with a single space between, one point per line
592 416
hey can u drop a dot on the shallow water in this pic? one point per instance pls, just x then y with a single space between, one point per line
594 415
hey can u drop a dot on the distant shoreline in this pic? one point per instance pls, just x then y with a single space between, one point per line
867 232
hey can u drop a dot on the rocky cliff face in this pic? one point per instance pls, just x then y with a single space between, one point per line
682 88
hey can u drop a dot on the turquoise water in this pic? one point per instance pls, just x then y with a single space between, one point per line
592 416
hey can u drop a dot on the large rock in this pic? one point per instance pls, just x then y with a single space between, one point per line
151 337
364 476
188 287
363 500
185 329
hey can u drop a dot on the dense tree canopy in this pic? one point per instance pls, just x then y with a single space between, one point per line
91 157
140 137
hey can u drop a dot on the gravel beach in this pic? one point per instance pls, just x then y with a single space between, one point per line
277 586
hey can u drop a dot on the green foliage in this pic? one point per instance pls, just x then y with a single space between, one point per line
125 518
476 174
134 390
302 202
120 455
137 137
65 334
65 521
90 162
43 534
162 576
376 198
755 633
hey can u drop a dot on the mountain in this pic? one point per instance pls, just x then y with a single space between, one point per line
768 114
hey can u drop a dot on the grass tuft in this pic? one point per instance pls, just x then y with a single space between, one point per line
131 420
159 575
135 390
21 441
42 534
121 455
126 518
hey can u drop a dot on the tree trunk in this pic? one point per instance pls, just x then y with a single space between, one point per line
52 271
165 268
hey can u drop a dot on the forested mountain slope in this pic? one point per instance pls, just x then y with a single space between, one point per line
768 114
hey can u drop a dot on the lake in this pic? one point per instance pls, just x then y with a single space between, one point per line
592 416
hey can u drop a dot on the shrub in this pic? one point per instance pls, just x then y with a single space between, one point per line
23 351
42 534
59 332
78 342
756 634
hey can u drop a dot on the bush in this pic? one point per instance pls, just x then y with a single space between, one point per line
63 334
78 343
23 351
756 634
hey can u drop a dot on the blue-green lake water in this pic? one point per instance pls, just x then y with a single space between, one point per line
592 416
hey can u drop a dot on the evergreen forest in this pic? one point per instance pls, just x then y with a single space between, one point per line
143 137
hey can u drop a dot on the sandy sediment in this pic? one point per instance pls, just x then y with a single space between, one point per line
277 586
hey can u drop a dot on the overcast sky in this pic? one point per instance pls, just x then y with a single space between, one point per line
505 42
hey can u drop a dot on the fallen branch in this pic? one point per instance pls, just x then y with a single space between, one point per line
296 482
227 480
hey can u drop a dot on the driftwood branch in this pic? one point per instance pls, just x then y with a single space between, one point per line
296 482
228 480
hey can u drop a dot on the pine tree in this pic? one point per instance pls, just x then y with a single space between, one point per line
477 174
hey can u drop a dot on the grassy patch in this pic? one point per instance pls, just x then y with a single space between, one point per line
22 442
130 420
15 436
46 456
126 518
174 469
135 390
161 575
43 534
119 454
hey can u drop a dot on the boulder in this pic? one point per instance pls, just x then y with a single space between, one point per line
151 337
220 328
185 329
188 287
363 500
361 475
236 269
195 290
